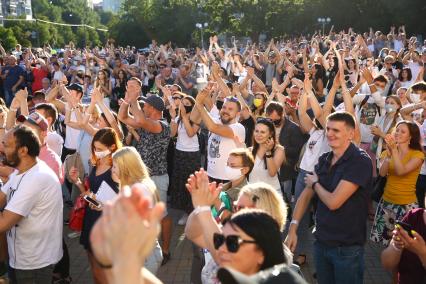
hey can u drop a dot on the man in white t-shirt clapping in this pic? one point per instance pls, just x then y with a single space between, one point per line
32 215
225 131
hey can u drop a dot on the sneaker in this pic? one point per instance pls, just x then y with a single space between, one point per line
74 235
183 219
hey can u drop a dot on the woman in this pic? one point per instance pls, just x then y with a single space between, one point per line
104 143
406 253
104 84
401 163
405 79
200 230
187 157
351 72
128 169
386 124
259 102
119 89
268 154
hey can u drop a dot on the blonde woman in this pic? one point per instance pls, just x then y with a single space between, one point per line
104 84
128 169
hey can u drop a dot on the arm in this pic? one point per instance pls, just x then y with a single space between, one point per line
390 257
144 122
125 117
219 129
305 121
334 200
8 219
274 163
400 168
110 118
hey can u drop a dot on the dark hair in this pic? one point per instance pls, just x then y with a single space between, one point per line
415 141
264 98
409 74
275 106
106 136
25 137
343 116
420 86
381 78
271 127
265 231
49 111
189 98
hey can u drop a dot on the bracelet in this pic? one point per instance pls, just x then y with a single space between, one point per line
200 209
13 109
269 156
295 222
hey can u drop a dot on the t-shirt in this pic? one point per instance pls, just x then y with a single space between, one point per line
317 145
402 189
55 142
368 114
36 241
184 142
52 159
410 268
72 134
332 227
153 149
13 76
39 75
201 73
219 148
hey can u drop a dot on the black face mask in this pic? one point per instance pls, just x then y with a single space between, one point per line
277 122
219 105
188 109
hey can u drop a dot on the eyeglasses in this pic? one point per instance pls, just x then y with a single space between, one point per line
176 98
264 119
232 242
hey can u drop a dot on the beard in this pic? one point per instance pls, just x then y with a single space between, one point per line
225 121
12 161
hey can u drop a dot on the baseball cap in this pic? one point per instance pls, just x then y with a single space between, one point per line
35 119
76 87
277 274
155 101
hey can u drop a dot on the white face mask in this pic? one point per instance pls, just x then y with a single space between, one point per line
415 98
232 173
102 154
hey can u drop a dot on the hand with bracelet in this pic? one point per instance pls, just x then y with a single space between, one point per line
311 180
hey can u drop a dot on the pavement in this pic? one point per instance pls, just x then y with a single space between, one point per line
178 269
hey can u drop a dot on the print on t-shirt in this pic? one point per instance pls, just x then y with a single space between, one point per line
214 147
368 113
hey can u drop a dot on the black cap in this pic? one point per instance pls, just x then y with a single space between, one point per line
155 101
76 87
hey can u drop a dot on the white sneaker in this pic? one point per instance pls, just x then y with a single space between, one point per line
183 219
74 235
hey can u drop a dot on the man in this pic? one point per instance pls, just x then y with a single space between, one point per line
341 181
33 210
13 78
53 139
184 80
226 133
154 140
291 137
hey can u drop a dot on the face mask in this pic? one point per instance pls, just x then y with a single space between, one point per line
38 66
188 109
415 98
380 90
219 105
232 173
277 122
102 154
389 108
257 102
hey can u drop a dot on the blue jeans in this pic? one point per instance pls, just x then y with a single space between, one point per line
8 95
339 264
303 228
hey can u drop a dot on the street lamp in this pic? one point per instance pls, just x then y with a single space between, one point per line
323 21
201 27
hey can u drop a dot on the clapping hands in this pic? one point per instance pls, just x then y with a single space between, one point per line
202 192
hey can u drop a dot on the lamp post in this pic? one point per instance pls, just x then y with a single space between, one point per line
201 27
323 21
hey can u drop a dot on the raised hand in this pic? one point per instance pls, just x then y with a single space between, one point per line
202 192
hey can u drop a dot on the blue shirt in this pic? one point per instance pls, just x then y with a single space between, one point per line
347 225
13 76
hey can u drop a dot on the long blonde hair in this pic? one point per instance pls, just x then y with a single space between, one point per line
265 197
132 169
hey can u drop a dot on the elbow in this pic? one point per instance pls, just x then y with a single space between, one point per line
333 205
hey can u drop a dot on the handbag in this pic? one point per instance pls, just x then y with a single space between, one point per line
378 188
77 215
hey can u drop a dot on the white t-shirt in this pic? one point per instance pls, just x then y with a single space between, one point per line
72 134
219 148
36 241
316 146
55 142
415 69
398 45
184 142
368 115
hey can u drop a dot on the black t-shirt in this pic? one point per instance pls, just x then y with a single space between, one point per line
347 225
249 126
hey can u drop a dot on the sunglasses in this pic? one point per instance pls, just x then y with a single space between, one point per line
176 98
232 242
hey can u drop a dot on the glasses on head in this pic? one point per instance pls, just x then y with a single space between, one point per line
232 242
177 98
264 119
231 99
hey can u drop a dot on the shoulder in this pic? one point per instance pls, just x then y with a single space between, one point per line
416 154
359 155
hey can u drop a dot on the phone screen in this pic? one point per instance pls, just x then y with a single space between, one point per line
92 201
406 227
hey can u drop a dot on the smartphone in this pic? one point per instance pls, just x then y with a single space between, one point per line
407 227
92 201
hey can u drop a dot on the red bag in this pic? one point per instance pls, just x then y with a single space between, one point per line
77 215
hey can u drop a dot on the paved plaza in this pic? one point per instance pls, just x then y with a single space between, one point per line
177 270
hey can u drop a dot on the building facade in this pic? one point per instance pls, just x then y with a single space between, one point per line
15 8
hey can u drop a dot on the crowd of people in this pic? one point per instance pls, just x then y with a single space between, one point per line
253 143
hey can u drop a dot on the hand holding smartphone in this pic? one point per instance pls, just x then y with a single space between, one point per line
407 227
92 201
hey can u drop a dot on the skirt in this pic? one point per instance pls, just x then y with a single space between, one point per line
385 219
185 164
